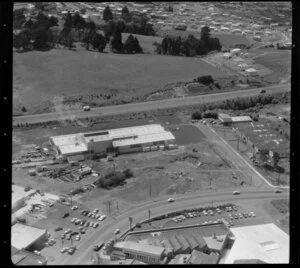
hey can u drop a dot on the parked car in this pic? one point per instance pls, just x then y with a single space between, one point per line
171 199
71 250
236 193
86 108
58 229
117 231
98 246
278 191
262 91
63 250
77 237
82 231
65 215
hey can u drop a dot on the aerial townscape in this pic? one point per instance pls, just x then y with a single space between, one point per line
151 133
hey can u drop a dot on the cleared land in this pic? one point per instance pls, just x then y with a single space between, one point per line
279 62
40 79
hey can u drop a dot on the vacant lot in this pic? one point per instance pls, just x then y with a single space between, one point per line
279 62
42 79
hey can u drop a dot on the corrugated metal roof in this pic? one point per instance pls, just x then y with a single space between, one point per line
175 243
139 247
184 244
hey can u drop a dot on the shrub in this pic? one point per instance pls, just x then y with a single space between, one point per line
196 116
205 80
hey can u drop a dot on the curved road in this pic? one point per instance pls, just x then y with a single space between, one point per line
146 106
160 206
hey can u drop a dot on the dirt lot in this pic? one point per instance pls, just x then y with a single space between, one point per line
48 79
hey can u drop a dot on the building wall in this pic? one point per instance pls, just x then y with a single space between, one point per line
100 146
143 256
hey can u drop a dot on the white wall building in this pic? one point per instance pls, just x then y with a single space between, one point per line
122 140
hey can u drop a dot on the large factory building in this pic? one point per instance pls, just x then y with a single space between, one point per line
81 146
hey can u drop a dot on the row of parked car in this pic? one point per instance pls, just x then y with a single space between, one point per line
70 250
93 214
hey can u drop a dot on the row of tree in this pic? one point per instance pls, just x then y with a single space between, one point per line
43 33
190 46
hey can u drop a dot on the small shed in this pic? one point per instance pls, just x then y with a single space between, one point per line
251 72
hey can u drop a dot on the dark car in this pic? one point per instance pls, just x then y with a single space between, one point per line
262 91
66 215
98 246
74 233
58 229
278 191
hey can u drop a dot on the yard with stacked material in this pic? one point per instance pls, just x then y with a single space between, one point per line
45 79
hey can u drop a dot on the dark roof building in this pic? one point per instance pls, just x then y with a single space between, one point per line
198 257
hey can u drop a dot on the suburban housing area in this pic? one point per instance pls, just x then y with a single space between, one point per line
151 133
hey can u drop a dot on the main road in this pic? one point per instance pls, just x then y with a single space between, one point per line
160 206
146 106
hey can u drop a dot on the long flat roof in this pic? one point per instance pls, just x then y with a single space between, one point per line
18 193
22 236
140 247
154 137
265 242
73 148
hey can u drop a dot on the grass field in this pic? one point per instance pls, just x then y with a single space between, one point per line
279 62
39 78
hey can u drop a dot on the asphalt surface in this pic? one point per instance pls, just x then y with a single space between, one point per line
146 106
160 206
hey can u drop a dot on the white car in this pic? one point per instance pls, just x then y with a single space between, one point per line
77 237
63 250
96 224
117 231
96 210
236 192
171 199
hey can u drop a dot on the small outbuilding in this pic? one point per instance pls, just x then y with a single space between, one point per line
251 72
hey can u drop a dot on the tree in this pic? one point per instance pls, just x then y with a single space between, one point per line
109 29
22 40
19 18
98 42
53 21
129 45
130 222
24 110
116 42
28 24
107 14
205 34
276 158
196 115
125 14
41 38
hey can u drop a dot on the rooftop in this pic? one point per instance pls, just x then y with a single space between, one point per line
18 194
139 247
265 242
198 257
155 137
22 236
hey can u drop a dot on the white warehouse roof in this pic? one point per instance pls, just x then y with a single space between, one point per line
265 242
155 137
22 236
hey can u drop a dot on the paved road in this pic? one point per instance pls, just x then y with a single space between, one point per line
250 173
160 206
146 106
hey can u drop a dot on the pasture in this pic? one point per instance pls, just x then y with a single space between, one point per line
40 79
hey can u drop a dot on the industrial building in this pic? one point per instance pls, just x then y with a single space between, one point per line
229 120
123 140
200 243
265 242
19 195
25 237
142 252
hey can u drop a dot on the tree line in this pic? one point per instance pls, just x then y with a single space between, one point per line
131 23
190 46
43 32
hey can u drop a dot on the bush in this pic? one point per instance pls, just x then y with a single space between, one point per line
205 80
128 173
196 116
210 114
